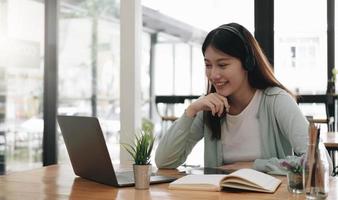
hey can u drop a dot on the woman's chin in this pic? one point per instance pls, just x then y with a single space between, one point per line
223 93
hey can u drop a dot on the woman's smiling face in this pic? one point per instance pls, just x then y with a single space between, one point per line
225 72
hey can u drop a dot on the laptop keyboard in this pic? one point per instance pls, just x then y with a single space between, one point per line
125 176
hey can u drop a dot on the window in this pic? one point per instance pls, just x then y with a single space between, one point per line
89 67
301 49
206 14
21 83
301 45
179 66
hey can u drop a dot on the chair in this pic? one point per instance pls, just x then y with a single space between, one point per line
329 122
329 102
335 171
165 106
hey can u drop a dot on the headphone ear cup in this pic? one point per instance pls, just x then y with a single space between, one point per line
249 63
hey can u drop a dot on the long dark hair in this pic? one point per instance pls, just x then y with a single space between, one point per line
260 76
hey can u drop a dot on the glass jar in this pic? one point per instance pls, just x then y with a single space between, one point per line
316 172
295 182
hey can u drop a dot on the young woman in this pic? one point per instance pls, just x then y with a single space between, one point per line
246 115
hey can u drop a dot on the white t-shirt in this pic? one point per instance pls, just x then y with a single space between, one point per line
241 134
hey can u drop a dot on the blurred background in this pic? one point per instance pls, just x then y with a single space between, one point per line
172 63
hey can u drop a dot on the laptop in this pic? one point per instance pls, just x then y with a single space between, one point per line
89 155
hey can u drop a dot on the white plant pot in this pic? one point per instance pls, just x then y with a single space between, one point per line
142 176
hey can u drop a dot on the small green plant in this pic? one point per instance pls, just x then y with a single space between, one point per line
147 126
293 164
141 149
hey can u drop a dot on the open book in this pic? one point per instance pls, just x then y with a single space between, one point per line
246 179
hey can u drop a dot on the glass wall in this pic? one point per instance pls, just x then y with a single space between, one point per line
301 48
300 44
21 83
179 65
89 63
206 14
89 67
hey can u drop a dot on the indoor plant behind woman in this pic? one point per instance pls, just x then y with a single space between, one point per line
141 152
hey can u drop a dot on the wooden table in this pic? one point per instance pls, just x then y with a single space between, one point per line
330 140
59 182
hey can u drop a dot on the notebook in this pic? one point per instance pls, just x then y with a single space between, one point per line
244 179
89 155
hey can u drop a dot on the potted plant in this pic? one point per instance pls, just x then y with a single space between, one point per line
140 151
294 171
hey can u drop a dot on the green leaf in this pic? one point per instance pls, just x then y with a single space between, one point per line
142 148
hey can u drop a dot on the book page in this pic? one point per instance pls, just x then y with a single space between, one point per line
209 182
245 187
254 179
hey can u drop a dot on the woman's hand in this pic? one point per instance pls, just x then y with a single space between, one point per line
212 102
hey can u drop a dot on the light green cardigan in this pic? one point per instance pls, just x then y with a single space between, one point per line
283 127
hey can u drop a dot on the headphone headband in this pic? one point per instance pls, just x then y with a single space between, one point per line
250 61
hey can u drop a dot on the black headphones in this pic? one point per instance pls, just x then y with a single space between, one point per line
250 61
